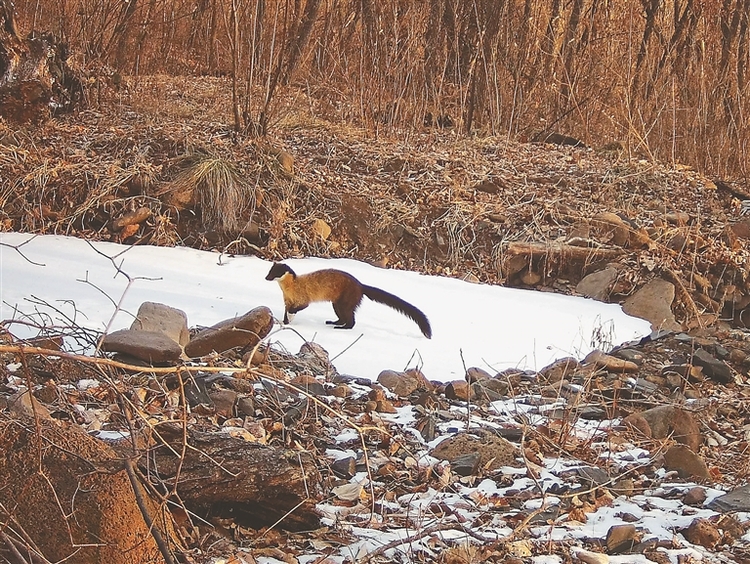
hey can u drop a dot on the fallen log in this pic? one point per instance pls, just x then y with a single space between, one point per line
530 262
227 477
562 251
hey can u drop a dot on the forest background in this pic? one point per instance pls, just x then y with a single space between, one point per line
665 78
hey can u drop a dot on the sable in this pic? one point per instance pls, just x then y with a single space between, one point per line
343 290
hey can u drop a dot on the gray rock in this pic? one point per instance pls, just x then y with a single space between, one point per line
245 331
161 318
736 500
224 402
713 367
148 346
598 285
653 302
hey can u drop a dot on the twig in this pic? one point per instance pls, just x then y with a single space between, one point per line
18 250
163 548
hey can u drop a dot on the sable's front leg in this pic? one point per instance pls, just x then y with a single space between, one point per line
290 311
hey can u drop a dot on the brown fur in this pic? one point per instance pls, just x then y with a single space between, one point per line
343 290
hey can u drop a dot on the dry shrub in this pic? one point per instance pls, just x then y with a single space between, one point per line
215 185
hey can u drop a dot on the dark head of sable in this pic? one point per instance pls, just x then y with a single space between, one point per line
278 270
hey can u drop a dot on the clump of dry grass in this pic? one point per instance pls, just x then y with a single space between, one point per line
215 185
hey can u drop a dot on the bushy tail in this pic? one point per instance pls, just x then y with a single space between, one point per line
383 297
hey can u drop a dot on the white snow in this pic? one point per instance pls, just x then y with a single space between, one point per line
473 324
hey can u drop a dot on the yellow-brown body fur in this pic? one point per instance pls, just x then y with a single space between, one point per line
343 290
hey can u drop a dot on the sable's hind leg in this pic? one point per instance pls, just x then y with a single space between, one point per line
346 317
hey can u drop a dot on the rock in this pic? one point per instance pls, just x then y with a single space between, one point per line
321 229
25 404
317 358
474 374
246 406
399 383
489 186
493 450
598 285
589 557
309 384
735 501
592 476
621 538
712 367
638 425
46 473
224 402
148 346
345 467
161 318
695 496
653 302
703 532
341 391
686 463
677 218
466 464
610 363
666 420
245 331
458 390
488 390
610 228
624 487
558 370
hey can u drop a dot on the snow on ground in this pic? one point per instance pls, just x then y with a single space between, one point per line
473 324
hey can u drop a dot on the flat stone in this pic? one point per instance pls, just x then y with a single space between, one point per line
598 285
610 363
149 346
244 331
736 500
653 302
160 318
713 367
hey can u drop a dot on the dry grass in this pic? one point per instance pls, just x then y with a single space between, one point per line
225 199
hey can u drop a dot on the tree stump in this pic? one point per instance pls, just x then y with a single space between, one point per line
35 79
66 496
